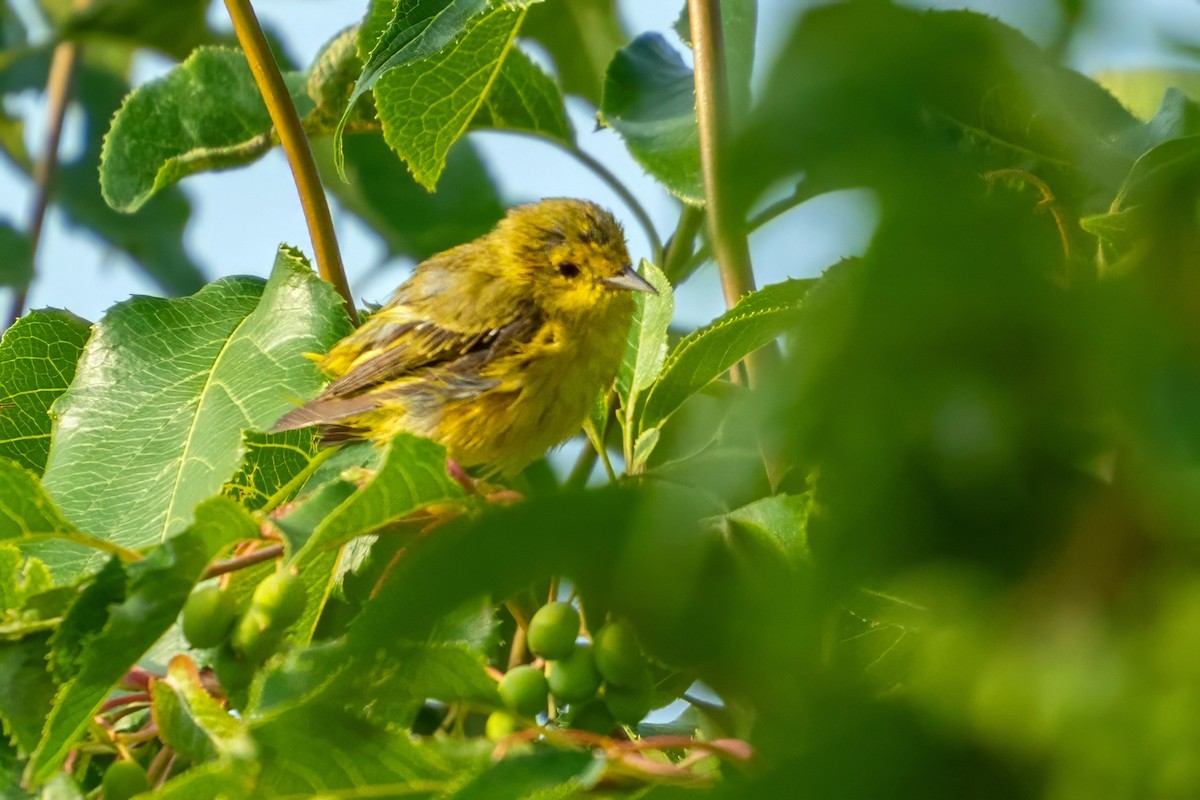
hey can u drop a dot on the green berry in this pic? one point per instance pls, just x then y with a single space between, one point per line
124 779
208 616
574 679
524 689
628 705
499 725
233 671
619 657
553 629
281 596
256 636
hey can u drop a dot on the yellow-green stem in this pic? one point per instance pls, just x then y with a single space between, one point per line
295 147
726 229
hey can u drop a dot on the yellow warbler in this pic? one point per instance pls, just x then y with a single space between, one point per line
495 348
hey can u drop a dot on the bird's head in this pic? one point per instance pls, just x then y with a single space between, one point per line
572 253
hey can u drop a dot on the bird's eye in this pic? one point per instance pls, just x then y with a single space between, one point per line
568 269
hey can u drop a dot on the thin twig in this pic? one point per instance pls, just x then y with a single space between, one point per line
59 82
241 562
295 146
678 256
726 229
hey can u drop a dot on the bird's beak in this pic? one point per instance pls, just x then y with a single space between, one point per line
628 279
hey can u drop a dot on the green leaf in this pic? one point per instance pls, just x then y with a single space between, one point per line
16 257
649 99
581 37
153 421
412 221
530 776
778 523
174 28
413 475
38 355
191 721
157 587
270 462
30 520
705 354
28 690
646 347
482 79
205 114
523 98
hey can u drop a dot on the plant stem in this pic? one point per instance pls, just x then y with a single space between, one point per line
726 230
678 256
59 82
295 146
241 562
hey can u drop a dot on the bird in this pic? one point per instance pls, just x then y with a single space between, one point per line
496 348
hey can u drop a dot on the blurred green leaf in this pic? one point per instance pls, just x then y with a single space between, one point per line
38 355
705 354
1142 90
205 114
191 721
16 257
152 423
175 28
581 37
494 84
546 772
649 99
157 588
412 221
28 690
777 523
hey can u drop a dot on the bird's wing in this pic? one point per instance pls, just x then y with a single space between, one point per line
438 320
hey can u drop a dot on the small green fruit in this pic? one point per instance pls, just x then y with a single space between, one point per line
124 779
499 725
629 706
553 629
208 616
233 671
256 636
281 596
524 689
619 657
574 679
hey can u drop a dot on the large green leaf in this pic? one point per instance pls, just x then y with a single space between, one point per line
156 589
482 79
174 28
705 354
581 36
207 113
649 99
153 422
38 355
